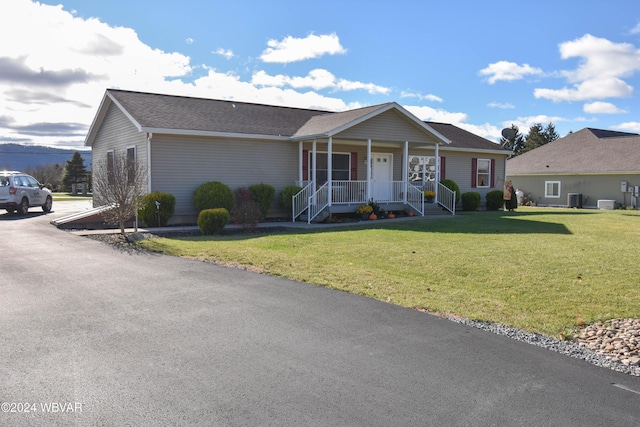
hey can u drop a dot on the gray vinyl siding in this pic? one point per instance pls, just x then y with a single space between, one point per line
117 133
592 188
179 164
388 126
458 168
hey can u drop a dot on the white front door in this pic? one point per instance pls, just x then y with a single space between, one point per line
382 176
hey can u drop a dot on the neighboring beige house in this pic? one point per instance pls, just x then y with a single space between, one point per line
589 168
341 159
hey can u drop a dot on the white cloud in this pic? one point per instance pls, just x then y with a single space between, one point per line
524 123
589 89
628 126
600 107
189 40
603 65
508 71
428 97
636 29
318 79
292 49
502 105
51 85
227 53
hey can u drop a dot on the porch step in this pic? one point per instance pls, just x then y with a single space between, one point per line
321 217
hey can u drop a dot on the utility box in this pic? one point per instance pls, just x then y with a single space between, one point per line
574 200
607 204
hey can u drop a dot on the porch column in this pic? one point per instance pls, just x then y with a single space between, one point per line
435 187
313 164
405 171
368 169
330 169
300 161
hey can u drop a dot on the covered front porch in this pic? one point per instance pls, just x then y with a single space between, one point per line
392 178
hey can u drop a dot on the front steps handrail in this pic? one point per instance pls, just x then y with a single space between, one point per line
300 202
415 198
318 201
447 198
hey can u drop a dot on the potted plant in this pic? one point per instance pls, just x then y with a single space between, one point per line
364 211
429 196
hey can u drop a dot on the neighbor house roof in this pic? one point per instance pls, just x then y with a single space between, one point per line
583 152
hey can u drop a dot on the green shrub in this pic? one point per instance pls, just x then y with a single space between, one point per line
247 212
148 213
212 195
213 221
451 185
263 195
495 200
287 194
471 201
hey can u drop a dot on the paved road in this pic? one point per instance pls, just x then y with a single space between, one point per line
137 339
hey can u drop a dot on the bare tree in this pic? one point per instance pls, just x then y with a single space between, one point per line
49 175
119 181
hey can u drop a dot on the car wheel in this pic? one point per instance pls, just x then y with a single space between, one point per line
23 207
46 208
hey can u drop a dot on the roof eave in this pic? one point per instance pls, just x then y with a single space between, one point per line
232 135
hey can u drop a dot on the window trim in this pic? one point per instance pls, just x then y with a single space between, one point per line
488 173
310 159
546 188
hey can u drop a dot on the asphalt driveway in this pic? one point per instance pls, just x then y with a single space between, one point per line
91 335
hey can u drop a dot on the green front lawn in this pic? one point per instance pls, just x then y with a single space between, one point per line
542 270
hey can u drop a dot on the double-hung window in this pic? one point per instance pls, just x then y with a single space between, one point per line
340 167
483 176
552 189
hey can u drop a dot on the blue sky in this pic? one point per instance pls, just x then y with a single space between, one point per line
481 65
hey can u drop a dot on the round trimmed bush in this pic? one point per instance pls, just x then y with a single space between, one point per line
471 201
495 200
212 195
451 185
148 213
287 194
213 221
263 194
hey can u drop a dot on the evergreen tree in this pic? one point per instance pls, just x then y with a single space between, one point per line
538 136
75 172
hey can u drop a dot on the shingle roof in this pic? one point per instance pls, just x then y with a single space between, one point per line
461 138
586 151
321 124
156 111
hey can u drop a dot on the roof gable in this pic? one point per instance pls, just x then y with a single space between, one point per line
586 151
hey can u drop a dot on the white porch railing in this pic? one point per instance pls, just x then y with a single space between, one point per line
415 198
447 198
300 201
318 201
347 192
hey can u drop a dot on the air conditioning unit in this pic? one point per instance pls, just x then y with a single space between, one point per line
574 200
607 204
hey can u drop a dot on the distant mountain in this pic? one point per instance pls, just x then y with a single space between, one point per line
20 157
